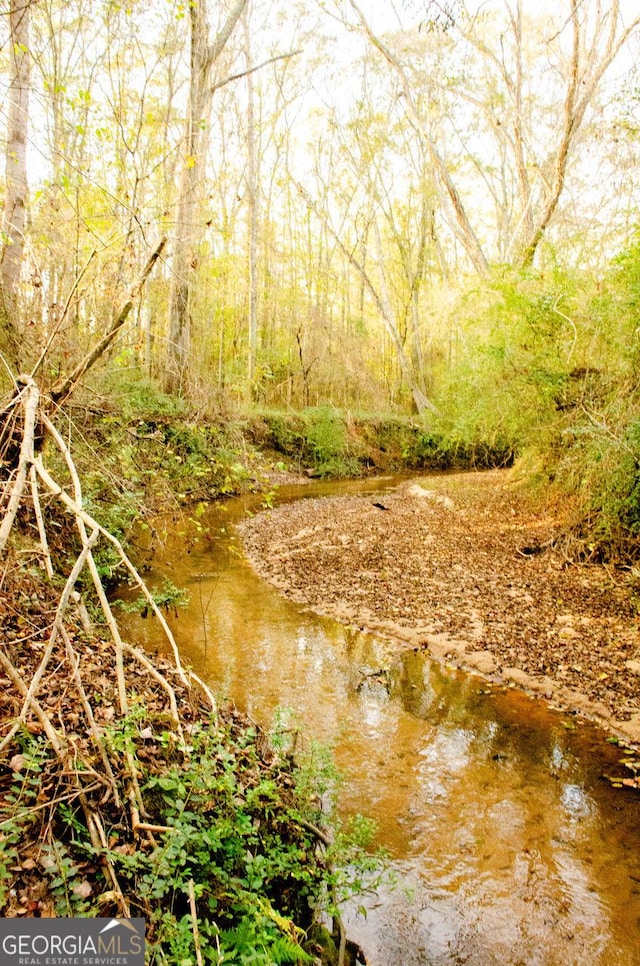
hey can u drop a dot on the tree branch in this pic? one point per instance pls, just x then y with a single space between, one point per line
65 387
245 73
469 238
218 45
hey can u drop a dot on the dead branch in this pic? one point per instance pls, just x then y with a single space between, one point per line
252 70
28 410
84 519
194 922
74 661
64 387
30 398
44 719
161 680
42 532
63 315
100 844
57 626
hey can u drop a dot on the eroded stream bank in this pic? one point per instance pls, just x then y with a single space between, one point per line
508 844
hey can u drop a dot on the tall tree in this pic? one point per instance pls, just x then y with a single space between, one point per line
253 202
203 55
582 41
379 293
15 205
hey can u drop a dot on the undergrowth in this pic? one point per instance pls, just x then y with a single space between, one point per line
240 834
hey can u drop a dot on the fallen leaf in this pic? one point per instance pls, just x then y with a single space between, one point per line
83 889
17 763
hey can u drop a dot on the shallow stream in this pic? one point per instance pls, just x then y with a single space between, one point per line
509 845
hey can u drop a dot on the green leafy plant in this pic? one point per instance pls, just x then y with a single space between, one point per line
17 812
168 597
244 838
64 881
326 442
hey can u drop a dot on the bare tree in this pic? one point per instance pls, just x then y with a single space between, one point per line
203 56
253 200
15 206
588 62
597 33
379 293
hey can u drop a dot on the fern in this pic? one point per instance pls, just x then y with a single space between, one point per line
261 945
285 951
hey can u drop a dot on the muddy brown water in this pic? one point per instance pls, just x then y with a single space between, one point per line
508 846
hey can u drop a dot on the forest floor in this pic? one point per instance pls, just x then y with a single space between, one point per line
467 567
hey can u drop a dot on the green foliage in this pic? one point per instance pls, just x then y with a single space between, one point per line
238 833
117 507
600 467
546 368
169 597
326 441
321 437
64 881
515 350
136 396
241 831
598 459
284 433
17 812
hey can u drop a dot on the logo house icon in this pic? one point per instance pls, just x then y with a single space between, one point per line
122 938
115 923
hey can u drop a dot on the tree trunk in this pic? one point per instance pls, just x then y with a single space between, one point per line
464 228
15 207
382 302
188 231
254 210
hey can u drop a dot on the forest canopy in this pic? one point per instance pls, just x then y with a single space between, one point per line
420 206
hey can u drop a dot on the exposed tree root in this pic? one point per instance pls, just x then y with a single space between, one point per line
25 415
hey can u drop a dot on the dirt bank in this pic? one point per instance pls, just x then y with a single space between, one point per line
463 566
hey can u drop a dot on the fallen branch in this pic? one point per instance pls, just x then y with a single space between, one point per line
64 387
30 397
194 922
42 533
55 630
28 403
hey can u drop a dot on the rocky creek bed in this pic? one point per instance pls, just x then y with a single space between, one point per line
465 566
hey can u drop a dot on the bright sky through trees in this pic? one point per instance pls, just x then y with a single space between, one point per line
379 156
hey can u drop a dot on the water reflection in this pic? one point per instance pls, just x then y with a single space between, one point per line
510 848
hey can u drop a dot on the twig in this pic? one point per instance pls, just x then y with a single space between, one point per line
342 948
35 705
245 73
100 844
65 387
319 834
161 679
194 922
74 661
571 323
42 533
138 825
57 626
56 328
30 407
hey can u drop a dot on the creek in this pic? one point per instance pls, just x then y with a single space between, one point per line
508 844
